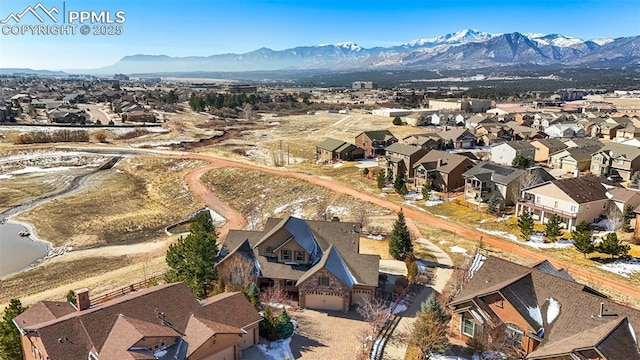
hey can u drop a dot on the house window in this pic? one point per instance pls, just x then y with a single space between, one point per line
324 281
468 327
555 204
286 255
270 250
573 208
299 256
289 283
92 356
620 161
538 199
514 333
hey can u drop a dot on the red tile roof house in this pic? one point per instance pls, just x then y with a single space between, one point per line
317 260
546 314
162 322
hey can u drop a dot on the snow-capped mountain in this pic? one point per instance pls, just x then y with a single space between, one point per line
463 49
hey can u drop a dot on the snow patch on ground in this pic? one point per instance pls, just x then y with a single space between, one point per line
337 165
296 210
375 237
337 210
277 350
553 310
458 250
503 234
623 267
503 218
537 241
433 202
400 308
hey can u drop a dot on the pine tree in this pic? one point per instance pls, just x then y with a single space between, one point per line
400 242
284 325
492 205
553 227
634 182
429 332
582 238
400 185
433 305
10 347
613 246
525 223
628 215
426 189
381 179
192 258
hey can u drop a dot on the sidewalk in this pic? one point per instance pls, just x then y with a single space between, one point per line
396 348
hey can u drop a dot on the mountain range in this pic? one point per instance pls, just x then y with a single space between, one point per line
460 50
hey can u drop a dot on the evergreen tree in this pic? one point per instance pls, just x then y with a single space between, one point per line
582 238
284 325
628 215
492 205
10 347
71 296
613 246
400 242
429 332
553 227
400 184
433 305
252 293
426 189
365 172
192 258
521 162
525 223
397 121
380 178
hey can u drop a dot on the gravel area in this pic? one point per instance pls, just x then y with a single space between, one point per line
326 335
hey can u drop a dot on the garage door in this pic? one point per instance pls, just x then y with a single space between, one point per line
226 354
324 302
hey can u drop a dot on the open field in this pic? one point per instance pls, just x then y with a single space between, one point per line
134 201
21 189
260 195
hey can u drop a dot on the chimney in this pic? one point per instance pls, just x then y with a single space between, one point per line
601 309
82 299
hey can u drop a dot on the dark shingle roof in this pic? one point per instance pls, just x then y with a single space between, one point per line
330 144
382 135
403 149
584 189
443 161
333 262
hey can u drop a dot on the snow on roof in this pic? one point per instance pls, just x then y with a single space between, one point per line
478 260
553 310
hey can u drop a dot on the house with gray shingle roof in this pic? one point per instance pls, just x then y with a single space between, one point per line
374 142
401 158
443 169
616 160
331 150
317 260
544 313
163 322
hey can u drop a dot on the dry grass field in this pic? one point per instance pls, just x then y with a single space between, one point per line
134 201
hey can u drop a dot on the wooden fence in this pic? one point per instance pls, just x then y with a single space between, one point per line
128 289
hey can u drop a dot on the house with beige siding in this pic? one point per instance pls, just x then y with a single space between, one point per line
574 200
616 160
504 153
443 169
319 262
571 159
546 147
401 158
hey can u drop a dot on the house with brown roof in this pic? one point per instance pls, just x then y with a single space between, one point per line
162 322
374 142
571 159
319 262
585 198
401 159
544 313
458 138
627 133
489 134
429 141
443 169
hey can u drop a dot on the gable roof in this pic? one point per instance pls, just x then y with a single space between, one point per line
381 135
516 145
332 262
443 161
583 189
574 316
454 134
301 234
44 311
200 330
403 149
330 144
551 143
616 150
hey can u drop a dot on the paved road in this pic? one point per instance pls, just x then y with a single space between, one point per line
96 112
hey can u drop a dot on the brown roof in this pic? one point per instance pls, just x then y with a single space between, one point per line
450 161
91 329
128 331
44 311
622 194
200 330
582 189
532 292
229 308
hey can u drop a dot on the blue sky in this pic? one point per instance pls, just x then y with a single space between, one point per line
183 28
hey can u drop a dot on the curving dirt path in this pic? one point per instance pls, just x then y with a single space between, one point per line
447 225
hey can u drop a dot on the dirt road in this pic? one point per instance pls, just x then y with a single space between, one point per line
417 215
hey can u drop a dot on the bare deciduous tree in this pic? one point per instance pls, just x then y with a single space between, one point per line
615 219
274 296
528 179
375 312
251 211
456 282
322 208
361 215
237 272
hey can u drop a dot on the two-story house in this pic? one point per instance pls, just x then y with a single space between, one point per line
401 158
627 133
374 142
429 141
573 200
571 159
486 180
443 169
616 161
320 261
493 133
545 147
542 313
162 322
566 130
504 153
458 138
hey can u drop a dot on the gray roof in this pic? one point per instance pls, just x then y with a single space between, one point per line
403 149
504 175
333 262
629 152
300 233
517 145
383 135
449 161
547 267
330 144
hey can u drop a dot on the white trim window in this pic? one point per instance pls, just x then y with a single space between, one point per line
514 333
467 327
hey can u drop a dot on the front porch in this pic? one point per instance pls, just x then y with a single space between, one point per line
542 213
